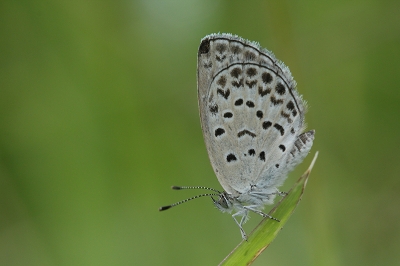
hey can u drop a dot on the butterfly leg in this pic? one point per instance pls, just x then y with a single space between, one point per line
251 208
266 195
281 193
242 221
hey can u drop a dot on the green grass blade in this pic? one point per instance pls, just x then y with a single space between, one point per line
247 251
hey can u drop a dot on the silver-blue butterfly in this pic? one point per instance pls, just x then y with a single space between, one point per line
252 119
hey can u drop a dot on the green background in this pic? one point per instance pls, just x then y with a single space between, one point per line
99 117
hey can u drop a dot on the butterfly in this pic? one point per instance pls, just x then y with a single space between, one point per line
252 119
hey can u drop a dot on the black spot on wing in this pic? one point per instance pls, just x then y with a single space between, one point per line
239 102
280 129
263 92
262 156
214 109
251 72
236 72
224 94
290 105
246 132
219 132
276 101
231 157
266 77
287 116
228 115
251 84
222 81
280 89
266 124
237 84
250 104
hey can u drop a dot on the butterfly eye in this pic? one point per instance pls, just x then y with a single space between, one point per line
223 202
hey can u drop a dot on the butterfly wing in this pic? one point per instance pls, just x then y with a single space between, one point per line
250 111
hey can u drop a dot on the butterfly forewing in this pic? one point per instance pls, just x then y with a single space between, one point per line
251 113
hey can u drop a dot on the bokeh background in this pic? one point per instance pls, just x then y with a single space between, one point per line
99 117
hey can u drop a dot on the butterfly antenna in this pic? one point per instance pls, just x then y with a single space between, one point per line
163 208
206 188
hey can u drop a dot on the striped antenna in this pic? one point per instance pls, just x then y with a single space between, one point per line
163 208
206 188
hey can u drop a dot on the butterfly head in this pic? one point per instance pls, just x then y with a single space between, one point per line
224 203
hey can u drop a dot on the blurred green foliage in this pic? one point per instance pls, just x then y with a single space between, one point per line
98 118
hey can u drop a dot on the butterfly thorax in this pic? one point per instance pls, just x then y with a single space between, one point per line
256 198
